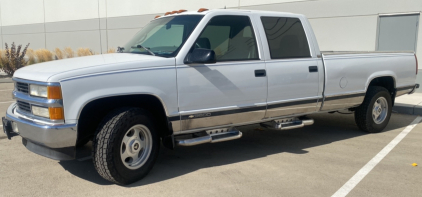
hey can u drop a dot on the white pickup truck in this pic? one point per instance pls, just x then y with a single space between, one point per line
189 78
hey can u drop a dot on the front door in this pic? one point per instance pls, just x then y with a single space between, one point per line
227 92
293 75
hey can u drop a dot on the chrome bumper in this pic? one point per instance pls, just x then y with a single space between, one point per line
53 141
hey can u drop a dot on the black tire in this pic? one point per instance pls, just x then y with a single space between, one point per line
363 114
107 143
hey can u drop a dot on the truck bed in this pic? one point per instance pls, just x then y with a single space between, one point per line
348 74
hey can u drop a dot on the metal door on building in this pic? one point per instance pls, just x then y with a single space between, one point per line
398 32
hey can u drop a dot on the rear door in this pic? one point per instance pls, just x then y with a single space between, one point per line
228 92
293 74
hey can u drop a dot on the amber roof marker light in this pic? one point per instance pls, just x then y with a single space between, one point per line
202 9
180 11
167 13
158 16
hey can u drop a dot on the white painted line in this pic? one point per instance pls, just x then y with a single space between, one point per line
7 102
349 185
85 158
6 90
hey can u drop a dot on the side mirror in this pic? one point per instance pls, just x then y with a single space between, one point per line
201 56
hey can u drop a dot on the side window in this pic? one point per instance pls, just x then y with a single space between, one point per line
286 37
231 38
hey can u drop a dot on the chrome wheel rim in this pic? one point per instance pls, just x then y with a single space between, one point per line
136 147
380 110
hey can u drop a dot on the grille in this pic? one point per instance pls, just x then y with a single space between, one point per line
24 106
22 87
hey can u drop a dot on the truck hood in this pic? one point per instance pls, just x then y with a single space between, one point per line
54 71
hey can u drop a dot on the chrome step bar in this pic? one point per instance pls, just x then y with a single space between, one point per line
286 124
211 138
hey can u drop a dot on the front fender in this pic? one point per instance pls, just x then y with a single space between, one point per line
159 82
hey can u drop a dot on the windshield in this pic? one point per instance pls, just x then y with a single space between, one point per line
163 37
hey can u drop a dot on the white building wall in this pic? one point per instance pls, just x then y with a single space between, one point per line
356 33
103 24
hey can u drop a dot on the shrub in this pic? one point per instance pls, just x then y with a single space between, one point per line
43 55
111 50
13 59
69 52
59 53
84 52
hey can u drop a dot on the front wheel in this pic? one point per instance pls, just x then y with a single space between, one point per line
126 146
374 113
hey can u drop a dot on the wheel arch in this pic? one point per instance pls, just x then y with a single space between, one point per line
93 111
386 81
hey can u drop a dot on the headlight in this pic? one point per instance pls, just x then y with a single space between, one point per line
40 111
37 90
50 92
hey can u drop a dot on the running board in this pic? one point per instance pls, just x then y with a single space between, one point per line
286 124
211 138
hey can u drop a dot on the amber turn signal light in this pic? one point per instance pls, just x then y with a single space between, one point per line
56 113
202 9
54 92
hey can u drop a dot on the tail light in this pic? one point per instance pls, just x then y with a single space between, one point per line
417 67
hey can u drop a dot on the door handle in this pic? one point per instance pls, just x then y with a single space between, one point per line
313 69
260 73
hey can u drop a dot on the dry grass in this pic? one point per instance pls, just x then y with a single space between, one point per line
43 55
69 52
30 53
59 53
84 52
111 50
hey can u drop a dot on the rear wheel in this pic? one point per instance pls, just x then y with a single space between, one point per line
374 113
125 146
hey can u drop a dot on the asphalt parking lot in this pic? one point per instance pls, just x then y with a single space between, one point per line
314 161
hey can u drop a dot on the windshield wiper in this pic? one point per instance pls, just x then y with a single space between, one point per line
140 46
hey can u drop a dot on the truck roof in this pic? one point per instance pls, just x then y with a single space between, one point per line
228 11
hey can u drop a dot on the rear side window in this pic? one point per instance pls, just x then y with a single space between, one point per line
231 38
286 37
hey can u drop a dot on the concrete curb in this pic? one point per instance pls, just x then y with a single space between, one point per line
6 80
407 109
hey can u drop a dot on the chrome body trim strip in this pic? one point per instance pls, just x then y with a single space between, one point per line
222 118
343 101
277 109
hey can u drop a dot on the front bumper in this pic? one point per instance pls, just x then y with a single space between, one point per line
52 141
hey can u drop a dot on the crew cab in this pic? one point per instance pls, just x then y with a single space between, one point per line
189 78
